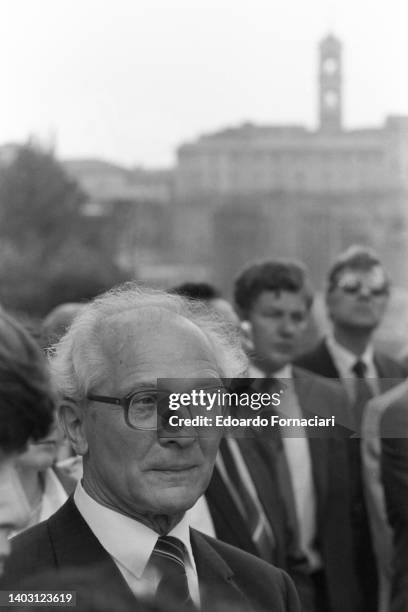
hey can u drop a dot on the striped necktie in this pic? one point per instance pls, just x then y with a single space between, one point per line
260 531
168 558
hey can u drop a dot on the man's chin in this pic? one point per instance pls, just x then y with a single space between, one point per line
177 500
363 324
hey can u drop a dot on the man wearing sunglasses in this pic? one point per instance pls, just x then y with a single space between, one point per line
357 295
127 515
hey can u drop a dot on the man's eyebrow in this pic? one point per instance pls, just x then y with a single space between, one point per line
144 384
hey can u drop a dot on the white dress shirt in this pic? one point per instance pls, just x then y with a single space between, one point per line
297 453
199 517
344 360
53 497
130 543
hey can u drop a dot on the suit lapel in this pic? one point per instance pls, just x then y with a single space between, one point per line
326 362
215 577
390 374
219 501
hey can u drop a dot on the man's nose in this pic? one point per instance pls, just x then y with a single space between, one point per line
182 435
287 327
364 292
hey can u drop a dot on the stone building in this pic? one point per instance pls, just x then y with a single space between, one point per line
254 191
130 208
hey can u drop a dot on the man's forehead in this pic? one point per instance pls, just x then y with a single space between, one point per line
281 296
128 327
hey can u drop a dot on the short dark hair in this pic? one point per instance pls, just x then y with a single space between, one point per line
356 257
197 291
27 399
273 275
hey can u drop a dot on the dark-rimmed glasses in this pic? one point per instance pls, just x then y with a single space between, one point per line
140 407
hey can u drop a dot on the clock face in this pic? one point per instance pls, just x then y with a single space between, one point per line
331 99
330 65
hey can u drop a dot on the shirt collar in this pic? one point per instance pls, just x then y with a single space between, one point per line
285 372
255 372
127 540
345 358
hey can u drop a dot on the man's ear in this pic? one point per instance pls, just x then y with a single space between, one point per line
247 336
72 419
328 303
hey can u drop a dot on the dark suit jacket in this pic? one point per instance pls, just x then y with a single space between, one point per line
330 468
225 573
316 396
394 464
319 361
229 524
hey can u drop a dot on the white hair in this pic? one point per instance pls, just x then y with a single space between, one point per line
78 361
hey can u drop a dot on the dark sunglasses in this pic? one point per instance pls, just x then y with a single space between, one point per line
355 287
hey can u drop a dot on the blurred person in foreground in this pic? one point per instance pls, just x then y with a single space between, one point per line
46 485
394 464
127 516
274 299
52 328
26 411
357 294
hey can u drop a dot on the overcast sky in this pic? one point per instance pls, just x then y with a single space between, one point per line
129 80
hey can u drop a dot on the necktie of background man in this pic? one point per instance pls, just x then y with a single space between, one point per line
363 391
364 553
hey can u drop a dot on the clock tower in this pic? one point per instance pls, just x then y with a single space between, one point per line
330 84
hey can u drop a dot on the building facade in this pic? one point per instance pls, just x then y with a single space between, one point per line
254 191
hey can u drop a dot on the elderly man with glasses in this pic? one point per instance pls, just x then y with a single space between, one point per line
127 515
357 294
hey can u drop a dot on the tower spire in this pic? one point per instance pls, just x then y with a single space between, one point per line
330 84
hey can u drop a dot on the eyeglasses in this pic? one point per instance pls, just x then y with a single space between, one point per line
140 407
355 287
143 407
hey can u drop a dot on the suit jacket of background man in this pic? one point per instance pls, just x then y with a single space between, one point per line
229 524
394 432
331 476
320 361
225 573
316 396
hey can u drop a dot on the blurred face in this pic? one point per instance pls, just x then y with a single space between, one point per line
14 510
138 471
41 454
359 299
277 321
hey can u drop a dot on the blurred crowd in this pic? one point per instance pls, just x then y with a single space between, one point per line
99 499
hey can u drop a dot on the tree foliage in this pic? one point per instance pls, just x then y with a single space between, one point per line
48 252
